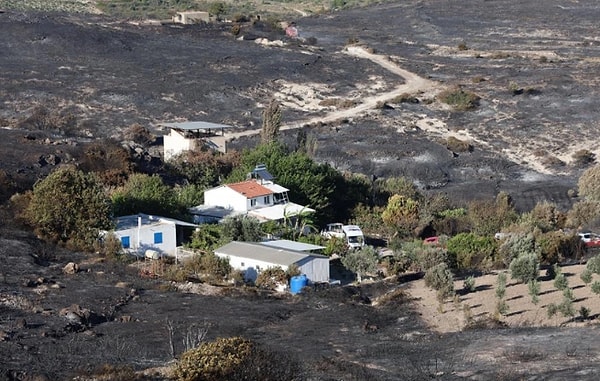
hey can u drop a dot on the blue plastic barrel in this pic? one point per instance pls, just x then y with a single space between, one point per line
297 283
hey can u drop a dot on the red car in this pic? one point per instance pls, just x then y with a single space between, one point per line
432 241
590 239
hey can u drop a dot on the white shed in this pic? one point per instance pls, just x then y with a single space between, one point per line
141 232
252 258
190 136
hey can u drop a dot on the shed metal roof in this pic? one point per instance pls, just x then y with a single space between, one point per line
263 253
291 245
196 125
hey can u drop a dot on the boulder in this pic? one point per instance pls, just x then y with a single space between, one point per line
71 268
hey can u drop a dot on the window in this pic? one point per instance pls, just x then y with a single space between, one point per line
158 237
267 200
125 242
253 202
243 264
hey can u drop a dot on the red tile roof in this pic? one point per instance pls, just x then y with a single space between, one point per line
250 189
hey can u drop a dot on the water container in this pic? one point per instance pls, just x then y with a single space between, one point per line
297 283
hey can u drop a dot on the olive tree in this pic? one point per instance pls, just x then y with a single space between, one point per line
361 261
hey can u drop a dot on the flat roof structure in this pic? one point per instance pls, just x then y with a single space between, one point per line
193 126
286 244
264 253
141 219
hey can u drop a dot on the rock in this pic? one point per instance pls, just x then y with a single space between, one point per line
21 323
71 268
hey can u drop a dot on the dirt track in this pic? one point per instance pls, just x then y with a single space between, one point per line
203 73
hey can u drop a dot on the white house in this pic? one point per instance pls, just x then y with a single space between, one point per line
190 136
258 197
139 233
252 258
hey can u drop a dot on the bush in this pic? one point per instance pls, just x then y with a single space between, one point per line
501 286
139 134
69 207
472 251
213 361
459 99
586 276
525 268
429 257
233 358
271 278
440 278
555 246
561 282
457 145
469 284
534 291
516 245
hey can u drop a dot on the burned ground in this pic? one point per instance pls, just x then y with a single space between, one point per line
533 65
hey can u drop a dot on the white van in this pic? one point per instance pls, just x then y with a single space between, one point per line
352 234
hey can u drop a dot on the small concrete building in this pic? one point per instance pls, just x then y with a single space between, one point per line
190 136
252 257
191 17
140 233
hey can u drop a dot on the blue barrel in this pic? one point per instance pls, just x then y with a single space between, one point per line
297 283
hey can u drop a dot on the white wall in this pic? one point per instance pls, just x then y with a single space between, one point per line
175 143
145 239
316 269
251 267
227 198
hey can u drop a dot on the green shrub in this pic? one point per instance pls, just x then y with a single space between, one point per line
525 268
501 286
472 251
593 264
440 278
516 245
561 282
469 284
586 276
596 287
501 307
534 291
430 256
459 99
555 246
584 312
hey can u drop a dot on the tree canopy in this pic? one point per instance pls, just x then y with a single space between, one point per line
145 194
69 207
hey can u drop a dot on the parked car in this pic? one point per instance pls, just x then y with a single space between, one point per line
432 240
590 239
